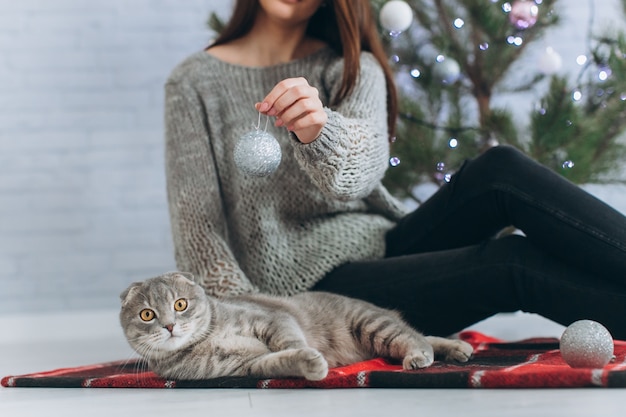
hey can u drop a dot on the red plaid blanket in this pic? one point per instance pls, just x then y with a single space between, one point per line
531 363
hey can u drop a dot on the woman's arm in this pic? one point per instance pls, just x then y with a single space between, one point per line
196 210
350 156
345 150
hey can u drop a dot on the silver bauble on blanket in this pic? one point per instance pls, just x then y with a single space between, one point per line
257 153
586 344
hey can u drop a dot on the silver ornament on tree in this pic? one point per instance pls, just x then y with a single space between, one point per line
396 16
257 153
586 344
446 70
550 62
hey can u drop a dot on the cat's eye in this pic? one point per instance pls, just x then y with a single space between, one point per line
146 314
180 304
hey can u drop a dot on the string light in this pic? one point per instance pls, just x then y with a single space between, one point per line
577 95
515 40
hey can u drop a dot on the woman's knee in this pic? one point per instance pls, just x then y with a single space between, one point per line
503 155
501 164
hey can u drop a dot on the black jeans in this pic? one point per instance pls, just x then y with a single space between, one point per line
444 270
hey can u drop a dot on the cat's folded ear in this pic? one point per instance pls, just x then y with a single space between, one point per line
127 294
187 275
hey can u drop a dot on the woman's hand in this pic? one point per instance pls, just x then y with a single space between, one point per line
297 106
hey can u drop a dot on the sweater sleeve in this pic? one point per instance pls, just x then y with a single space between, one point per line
349 158
196 210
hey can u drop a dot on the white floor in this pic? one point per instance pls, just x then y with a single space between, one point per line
40 343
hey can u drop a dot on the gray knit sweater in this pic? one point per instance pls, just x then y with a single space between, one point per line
279 234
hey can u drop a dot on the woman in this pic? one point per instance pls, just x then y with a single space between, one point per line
323 220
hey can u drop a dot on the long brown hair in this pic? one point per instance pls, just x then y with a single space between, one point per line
354 30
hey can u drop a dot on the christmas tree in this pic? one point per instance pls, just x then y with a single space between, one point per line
451 62
451 58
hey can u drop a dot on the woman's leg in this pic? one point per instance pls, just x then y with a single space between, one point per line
443 272
443 292
504 187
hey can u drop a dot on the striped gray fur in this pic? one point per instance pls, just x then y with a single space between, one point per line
266 336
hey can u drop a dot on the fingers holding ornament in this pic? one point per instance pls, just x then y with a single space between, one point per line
297 106
283 95
288 91
304 119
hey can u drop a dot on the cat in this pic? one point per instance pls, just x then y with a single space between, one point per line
183 333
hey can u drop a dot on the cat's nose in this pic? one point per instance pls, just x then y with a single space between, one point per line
170 327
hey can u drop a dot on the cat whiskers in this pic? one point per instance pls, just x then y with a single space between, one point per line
140 364
144 348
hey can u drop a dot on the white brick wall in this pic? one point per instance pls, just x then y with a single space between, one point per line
82 190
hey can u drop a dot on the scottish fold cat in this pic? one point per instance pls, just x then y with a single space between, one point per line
184 334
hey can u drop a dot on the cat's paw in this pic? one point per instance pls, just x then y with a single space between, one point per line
312 364
459 351
418 360
451 349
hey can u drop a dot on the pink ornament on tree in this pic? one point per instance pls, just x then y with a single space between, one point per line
523 14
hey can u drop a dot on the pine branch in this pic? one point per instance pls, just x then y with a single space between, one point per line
433 126
215 23
445 22
431 113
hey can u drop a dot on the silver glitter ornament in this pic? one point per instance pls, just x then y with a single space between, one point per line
257 153
586 344
446 70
